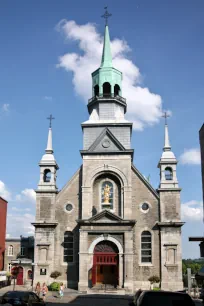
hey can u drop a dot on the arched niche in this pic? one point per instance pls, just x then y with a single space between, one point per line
116 90
106 192
96 90
106 89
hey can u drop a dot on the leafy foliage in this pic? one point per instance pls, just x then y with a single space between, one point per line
154 279
193 264
55 286
55 274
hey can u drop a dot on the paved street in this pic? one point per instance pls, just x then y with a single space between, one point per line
93 300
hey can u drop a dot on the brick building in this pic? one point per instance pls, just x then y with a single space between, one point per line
108 225
20 252
3 215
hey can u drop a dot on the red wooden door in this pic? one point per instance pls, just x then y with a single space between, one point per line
20 276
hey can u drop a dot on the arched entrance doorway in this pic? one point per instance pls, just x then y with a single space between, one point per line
105 264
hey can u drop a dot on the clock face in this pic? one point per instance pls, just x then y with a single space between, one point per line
145 206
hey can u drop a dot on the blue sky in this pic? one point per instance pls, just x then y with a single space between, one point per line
166 47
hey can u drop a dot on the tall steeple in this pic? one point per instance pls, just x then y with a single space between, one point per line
168 162
48 165
106 60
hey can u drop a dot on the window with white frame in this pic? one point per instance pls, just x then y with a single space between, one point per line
22 251
68 247
146 247
10 250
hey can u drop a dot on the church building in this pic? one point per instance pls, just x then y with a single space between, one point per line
108 225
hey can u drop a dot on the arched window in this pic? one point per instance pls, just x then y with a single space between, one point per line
30 274
47 175
96 90
107 194
106 89
68 247
9 267
146 247
10 250
168 174
116 90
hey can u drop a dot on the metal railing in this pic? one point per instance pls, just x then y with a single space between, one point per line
106 97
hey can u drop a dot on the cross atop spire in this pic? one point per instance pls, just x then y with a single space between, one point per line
165 115
50 118
106 15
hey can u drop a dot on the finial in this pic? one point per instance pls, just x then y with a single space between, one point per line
106 15
50 118
165 115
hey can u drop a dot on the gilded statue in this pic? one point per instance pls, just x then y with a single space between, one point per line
106 194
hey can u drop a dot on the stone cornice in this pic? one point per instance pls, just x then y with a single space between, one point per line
169 189
170 224
45 224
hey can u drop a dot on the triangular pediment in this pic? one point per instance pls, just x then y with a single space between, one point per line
106 142
105 216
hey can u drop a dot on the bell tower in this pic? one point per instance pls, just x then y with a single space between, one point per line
170 218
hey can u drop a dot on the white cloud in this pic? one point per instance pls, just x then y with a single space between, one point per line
19 209
26 195
192 211
5 108
190 157
20 225
4 192
144 107
48 98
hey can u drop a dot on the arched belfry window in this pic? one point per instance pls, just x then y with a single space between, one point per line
146 247
96 90
68 247
47 176
168 174
106 89
107 194
116 90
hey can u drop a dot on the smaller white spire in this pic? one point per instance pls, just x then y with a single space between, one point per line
49 149
167 146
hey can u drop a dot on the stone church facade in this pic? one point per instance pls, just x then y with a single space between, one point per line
108 225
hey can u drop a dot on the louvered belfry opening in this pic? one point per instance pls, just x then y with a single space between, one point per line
105 264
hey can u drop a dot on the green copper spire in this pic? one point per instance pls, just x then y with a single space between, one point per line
106 56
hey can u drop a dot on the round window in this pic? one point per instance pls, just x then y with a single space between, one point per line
69 207
145 206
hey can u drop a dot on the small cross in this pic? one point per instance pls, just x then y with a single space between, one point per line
106 15
165 115
50 118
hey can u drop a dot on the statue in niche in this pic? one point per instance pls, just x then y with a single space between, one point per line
106 194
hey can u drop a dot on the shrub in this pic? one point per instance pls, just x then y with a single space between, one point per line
55 286
156 289
154 279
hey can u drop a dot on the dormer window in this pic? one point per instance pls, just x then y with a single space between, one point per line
168 174
47 176
107 195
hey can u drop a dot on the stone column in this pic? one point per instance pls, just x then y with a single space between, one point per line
128 262
83 261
